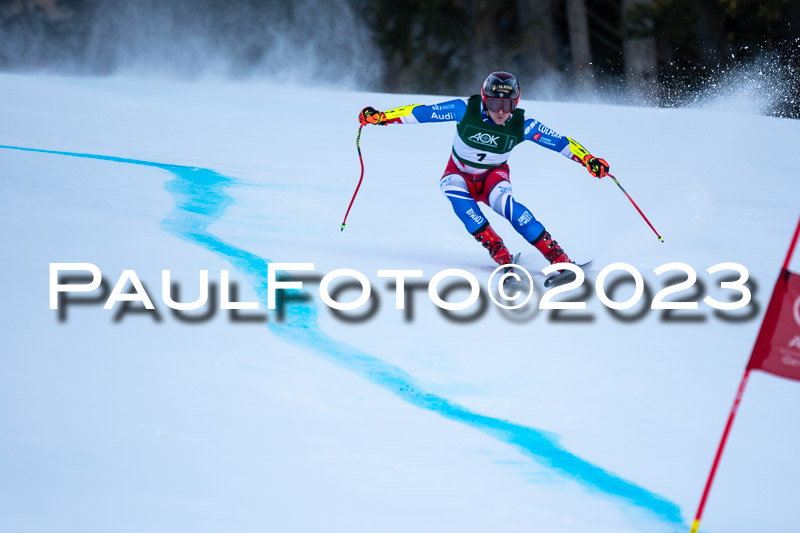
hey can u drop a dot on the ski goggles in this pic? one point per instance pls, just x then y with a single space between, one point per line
505 105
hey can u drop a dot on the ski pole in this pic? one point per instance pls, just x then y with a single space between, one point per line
660 238
358 146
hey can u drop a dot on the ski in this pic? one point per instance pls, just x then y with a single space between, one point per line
563 277
510 280
513 261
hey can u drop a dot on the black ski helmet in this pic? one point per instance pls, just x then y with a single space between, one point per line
500 85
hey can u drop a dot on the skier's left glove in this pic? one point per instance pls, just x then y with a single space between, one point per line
370 115
597 167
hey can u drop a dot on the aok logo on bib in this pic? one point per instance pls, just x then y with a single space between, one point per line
485 138
491 140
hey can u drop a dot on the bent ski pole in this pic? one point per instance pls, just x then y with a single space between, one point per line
358 146
660 238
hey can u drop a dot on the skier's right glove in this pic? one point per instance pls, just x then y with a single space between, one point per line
370 115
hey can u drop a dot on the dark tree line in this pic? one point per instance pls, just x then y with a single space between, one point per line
661 52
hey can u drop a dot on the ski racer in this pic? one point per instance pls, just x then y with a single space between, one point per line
488 127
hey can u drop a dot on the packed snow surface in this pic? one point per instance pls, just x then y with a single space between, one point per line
384 419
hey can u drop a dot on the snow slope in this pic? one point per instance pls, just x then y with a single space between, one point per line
399 421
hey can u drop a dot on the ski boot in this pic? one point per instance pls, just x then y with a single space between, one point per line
550 249
492 242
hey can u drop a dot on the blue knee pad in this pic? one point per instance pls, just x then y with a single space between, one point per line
467 210
522 219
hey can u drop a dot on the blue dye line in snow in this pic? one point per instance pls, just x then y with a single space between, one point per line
201 198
